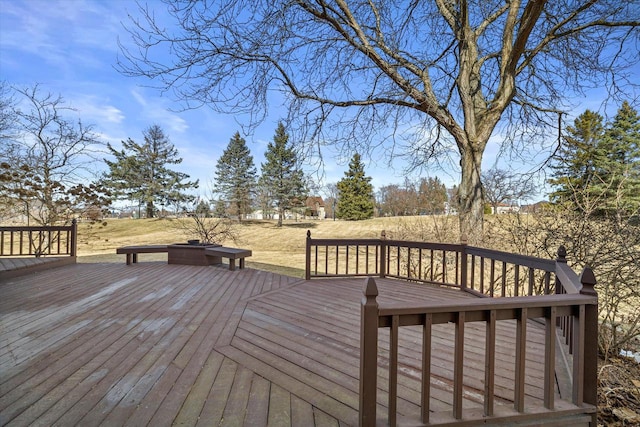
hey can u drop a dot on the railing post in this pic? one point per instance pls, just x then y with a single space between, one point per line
463 262
368 355
590 393
74 237
561 258
383 254
307 264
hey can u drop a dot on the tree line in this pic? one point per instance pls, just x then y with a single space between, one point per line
46 160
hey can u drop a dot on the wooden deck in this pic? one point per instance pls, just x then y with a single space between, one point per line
18 266
157 344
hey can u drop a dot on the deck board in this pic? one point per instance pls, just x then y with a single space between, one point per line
157 344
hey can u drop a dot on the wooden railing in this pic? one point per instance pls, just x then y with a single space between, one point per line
580 308
515 288
39 240
480 271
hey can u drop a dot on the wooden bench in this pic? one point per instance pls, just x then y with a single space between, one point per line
133 251
231 253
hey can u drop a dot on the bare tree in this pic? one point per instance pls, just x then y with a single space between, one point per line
502 186
431 76
46 166
7 116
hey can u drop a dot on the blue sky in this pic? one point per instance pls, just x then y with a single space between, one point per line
70 48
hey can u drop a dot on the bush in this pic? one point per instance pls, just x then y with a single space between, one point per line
609 245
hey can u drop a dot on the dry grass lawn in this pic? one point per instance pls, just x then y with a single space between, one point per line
279 249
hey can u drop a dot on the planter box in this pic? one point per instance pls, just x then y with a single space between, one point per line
184 253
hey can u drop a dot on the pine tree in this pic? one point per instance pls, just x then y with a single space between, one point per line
598 170
620 181
355 193
140 172
432 196
282 179
576 165
235 176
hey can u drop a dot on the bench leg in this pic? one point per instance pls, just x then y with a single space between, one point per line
232 264
135 258
241 263
128 259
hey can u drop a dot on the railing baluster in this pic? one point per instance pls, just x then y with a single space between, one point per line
346 257
473 272
503 292
444 266
521 346
516 280
326 259
493 277
458 365
550 358
482 275
458 278
431 271
366 261
426 366
530 281
489 363
393 370
547 283
315 267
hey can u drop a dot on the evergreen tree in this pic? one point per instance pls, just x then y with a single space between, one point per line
575 166
140 173
598 169
355 193
282 179
432 196
235 176
619 186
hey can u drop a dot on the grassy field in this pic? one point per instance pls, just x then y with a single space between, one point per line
279 249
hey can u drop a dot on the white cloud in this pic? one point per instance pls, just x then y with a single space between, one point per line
94 110
156 111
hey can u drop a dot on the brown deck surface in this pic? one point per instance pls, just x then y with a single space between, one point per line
157 344
12 267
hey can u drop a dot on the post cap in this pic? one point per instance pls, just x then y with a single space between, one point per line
588 280
370 288
562 254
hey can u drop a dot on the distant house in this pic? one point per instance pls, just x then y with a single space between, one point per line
315 207
506 208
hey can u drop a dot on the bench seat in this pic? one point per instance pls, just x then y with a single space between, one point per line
230 253
133 251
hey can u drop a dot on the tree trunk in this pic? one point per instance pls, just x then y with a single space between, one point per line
280 216
471 200
149 209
